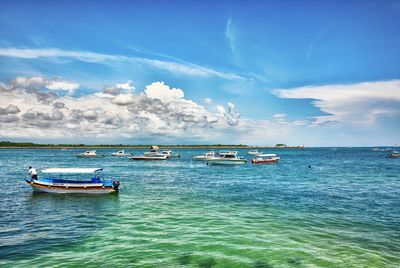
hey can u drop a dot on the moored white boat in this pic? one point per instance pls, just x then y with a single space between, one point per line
89 154
121 153
153 154
169 154
265 159
62 180
393 154
254 152
204 156
149 157
227 158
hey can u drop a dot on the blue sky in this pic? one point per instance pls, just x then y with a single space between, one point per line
295 72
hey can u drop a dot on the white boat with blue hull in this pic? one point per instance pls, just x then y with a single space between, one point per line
63 180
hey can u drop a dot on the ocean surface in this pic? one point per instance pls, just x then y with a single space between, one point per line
344 211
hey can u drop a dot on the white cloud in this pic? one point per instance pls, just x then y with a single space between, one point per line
39 82
361 103
231 116
124 99
158 90
63 85
158 110
128 86
26 82
170 66
207 101
279 115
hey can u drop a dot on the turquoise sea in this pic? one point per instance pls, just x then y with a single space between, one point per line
344 211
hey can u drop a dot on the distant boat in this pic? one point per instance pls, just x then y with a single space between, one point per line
121 153
153 154
265 159
254 152
63 180
393 154
376 149
226 158
204 156
145 157
89 154
169 154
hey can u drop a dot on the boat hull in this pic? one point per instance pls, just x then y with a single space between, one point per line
226 162
201 158
69 188
147 158
266 161
90 156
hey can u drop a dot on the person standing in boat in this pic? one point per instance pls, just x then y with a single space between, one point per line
32 173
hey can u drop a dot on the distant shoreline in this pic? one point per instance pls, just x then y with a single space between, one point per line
146 147
30 145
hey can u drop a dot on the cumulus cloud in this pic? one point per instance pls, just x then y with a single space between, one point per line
124 99
119 89
157 110
58 105
361 103
230 114
62 85
40 82
10 109
158 90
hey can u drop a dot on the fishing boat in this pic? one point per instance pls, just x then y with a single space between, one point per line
73 180
227 158
89 154
393 154
265 159
204 156
254 152
121 153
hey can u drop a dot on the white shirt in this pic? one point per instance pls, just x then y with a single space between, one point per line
32 171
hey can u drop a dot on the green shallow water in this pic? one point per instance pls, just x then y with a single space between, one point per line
339 213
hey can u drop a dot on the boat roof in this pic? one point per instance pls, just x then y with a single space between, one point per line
266 155
71 170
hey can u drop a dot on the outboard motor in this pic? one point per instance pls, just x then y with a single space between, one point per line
116 185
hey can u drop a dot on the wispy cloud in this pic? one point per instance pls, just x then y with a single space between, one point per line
86 56
230 35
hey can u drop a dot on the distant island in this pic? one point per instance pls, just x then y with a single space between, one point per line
10 145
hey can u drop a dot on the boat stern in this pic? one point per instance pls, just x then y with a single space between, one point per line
113 184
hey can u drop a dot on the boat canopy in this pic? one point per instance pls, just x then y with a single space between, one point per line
266 155
72 170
